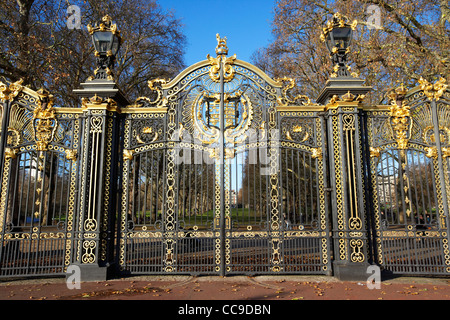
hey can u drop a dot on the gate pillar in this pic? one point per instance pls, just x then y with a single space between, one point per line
346 146
94 236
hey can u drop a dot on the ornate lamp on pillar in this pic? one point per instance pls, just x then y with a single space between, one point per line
107 41
342 97
102 102
338 36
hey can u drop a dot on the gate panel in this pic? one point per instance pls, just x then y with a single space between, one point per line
144 182
304 210
168 204
267 215
39 183
251 178
196 238
410 215
248 240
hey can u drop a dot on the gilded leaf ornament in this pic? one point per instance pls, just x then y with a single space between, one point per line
284 99
128 154
400 118
433 91
11 91
44 120
160 101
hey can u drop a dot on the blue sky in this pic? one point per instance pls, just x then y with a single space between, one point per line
245 23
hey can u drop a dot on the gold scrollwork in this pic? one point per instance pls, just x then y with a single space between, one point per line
428 134
401 123
221 59
215 67
90 224
227 64
128 154
355 223
375 152
316 153
284 99
160 101
296 131
150 131
11 153
433 91
169 254
11 91
348 122
357 247
14 137
44 120
276 259
89 251
71 154
432 152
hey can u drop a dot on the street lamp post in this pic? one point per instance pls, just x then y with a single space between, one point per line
338 35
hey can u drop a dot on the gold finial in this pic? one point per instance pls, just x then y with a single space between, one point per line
43 93
107 18
401 90
348 97
96 99
221 48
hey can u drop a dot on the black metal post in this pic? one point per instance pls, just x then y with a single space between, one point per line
4 127
100 161
222 171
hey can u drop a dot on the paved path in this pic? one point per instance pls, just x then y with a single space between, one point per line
184 288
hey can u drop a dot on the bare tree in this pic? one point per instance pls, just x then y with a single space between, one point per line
36 45
411 41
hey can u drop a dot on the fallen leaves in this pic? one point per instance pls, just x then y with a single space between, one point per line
132 290
305 290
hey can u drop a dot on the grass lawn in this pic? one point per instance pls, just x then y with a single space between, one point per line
241 216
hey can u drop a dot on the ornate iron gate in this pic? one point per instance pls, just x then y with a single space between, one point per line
218 179
222 171
409 144
40 174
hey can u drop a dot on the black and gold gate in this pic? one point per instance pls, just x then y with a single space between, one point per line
220 176
409 150
40 175
222 171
